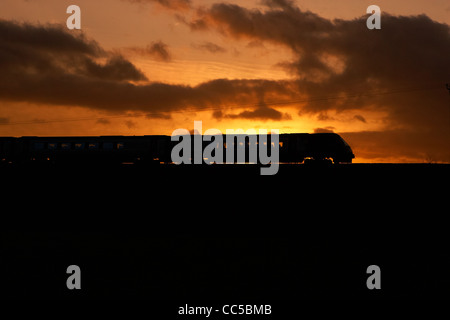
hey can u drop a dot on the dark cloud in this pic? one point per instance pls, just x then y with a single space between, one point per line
169 4
360 118
262 112
49 38
158 50
209 46
158 115
323 116
116 68
28 51
324 130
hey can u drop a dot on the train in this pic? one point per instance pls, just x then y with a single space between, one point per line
156 149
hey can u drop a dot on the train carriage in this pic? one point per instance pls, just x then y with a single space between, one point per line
293 148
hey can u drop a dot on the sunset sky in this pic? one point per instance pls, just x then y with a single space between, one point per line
141 67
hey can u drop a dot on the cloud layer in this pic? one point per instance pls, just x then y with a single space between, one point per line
157 49
169 4
46 64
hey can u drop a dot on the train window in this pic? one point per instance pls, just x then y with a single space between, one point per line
120 145
107 145
38 145
79 146
52 146
92 145
65 146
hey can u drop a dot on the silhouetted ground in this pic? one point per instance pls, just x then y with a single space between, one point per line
225 232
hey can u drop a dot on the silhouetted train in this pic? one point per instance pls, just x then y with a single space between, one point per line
293 148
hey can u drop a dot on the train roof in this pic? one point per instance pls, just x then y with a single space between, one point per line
324 134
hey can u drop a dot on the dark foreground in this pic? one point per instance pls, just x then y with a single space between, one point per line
225 232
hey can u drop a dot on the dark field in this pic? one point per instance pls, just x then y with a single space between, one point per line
225 232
